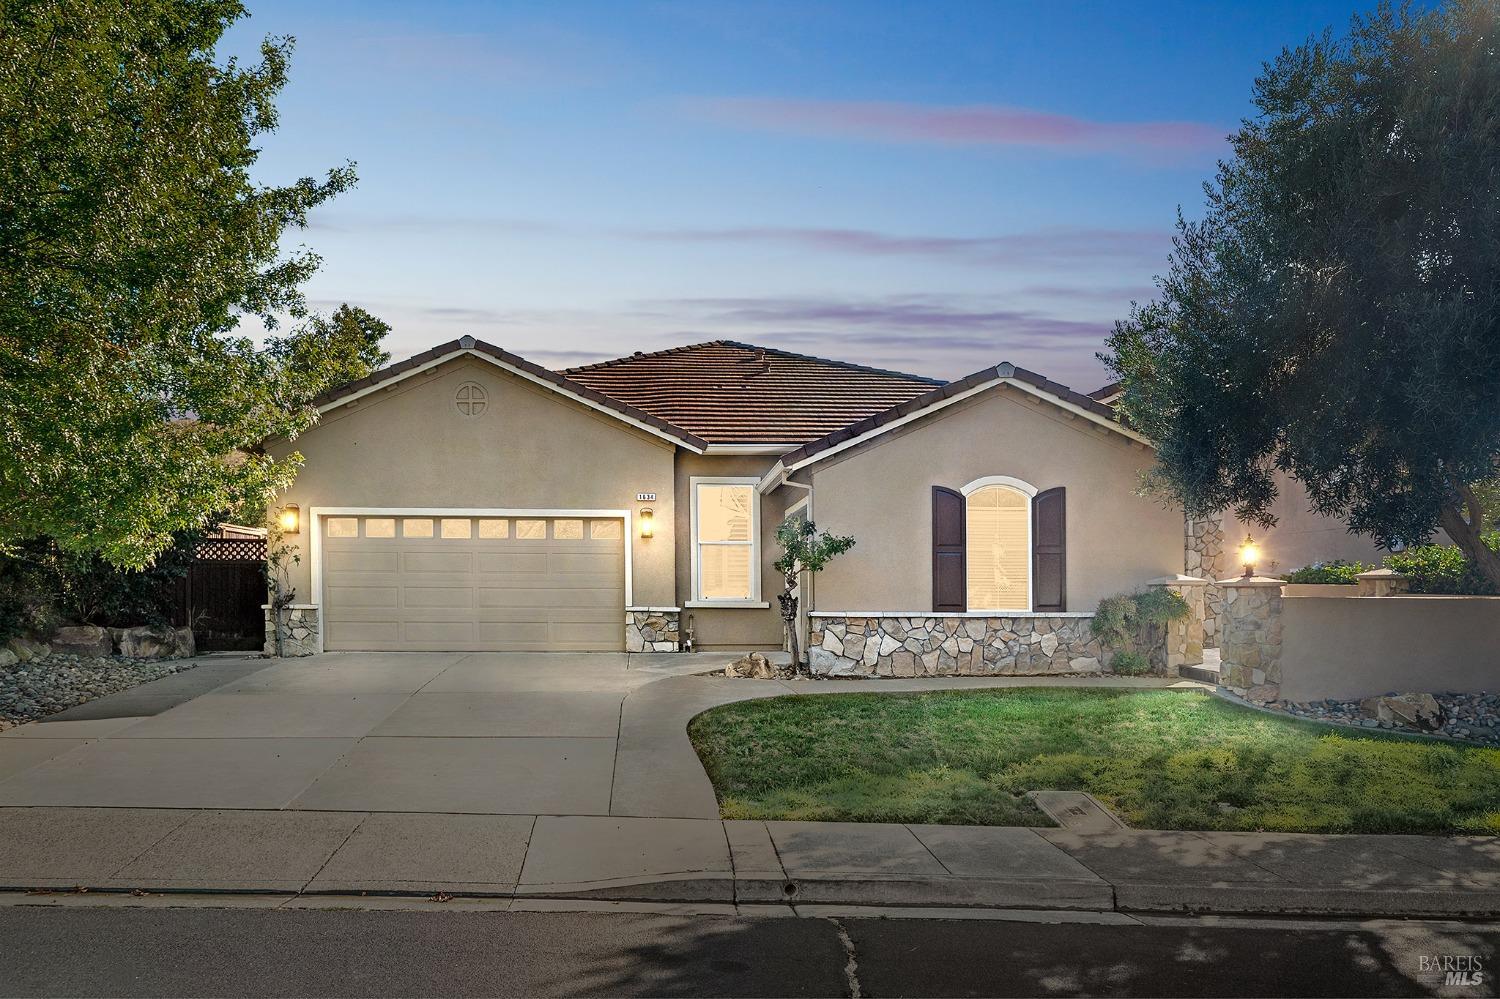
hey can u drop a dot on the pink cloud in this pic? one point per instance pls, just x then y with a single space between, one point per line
966 125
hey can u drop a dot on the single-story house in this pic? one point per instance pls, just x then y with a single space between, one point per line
469 499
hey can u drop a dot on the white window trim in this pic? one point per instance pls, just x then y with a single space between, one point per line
1030 491
1020 485
315 523
725 480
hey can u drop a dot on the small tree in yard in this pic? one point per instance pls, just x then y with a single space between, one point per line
1336 313
803 549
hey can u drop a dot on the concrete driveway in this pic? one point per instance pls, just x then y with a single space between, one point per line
495 733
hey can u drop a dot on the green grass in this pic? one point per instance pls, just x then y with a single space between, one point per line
1161 759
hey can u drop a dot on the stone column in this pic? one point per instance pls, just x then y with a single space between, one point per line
1250 639
1203 557
1184 639
1382 583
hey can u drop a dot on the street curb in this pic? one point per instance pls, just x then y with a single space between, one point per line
1051 894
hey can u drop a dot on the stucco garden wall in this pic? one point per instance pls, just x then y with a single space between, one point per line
1310 643
881 493
408 446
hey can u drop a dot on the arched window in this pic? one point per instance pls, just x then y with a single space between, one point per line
997 544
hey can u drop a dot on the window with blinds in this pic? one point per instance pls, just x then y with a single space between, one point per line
998 549
724 540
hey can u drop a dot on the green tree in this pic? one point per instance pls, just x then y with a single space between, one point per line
1336 313
330 351
132 242
803 549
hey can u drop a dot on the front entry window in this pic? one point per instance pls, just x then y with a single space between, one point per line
725 562
998 548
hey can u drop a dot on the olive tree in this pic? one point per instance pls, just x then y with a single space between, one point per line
803 550
1335 314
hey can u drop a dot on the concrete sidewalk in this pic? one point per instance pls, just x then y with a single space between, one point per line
708 860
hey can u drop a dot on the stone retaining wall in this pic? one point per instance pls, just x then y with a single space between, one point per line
917 645
653 629
299 630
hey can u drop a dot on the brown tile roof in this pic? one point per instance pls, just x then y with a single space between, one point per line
944 392
737 393
561 381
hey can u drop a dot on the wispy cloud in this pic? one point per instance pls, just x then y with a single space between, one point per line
1044 246
961 125
1049 247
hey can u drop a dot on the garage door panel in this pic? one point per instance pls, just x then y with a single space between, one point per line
439 634
546 597
457 562
438 596
346 560
511 563
502 594
354 597
362 634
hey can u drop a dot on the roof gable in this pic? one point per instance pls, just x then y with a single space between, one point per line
519 366
1044 389
727 392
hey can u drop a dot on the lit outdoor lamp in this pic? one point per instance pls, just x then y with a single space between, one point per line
647 522
289 519
1249 554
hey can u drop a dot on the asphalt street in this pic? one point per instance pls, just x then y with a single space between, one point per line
111 951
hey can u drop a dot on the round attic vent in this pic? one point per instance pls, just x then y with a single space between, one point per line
471 399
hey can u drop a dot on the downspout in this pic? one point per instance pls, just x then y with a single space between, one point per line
804 584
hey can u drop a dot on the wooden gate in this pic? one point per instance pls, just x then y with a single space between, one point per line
220 598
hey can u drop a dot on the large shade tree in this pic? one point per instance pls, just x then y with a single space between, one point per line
1336 313
133 240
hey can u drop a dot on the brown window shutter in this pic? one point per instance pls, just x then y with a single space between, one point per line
1049 550
948 583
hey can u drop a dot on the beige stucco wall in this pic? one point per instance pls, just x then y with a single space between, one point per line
408 446
730 627
880 492
1301 535
1349 647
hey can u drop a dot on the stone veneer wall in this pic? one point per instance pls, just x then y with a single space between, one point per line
1203 556
1182 645
917 645
1250 640
299 630
653 630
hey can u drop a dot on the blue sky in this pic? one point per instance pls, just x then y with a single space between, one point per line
928 186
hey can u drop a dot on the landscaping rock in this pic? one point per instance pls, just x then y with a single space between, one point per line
156 642
27 649
84 640
1471 716
1419 711
47 684
755 666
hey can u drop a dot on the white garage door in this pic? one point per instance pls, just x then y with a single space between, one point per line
552 584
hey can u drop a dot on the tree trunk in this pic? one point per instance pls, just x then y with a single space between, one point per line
788 604
1466 531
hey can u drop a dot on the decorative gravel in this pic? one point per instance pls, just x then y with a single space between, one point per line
1475 717
35 689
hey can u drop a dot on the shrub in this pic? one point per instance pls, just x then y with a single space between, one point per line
1443 568
1337 571
42 586
1130 663
1127 620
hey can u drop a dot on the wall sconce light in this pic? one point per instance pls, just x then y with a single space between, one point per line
289 519
648 522
1249 554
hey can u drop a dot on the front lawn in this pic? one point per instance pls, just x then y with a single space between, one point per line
1161 759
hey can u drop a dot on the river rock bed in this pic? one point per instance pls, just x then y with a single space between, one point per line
52 683
1475 717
